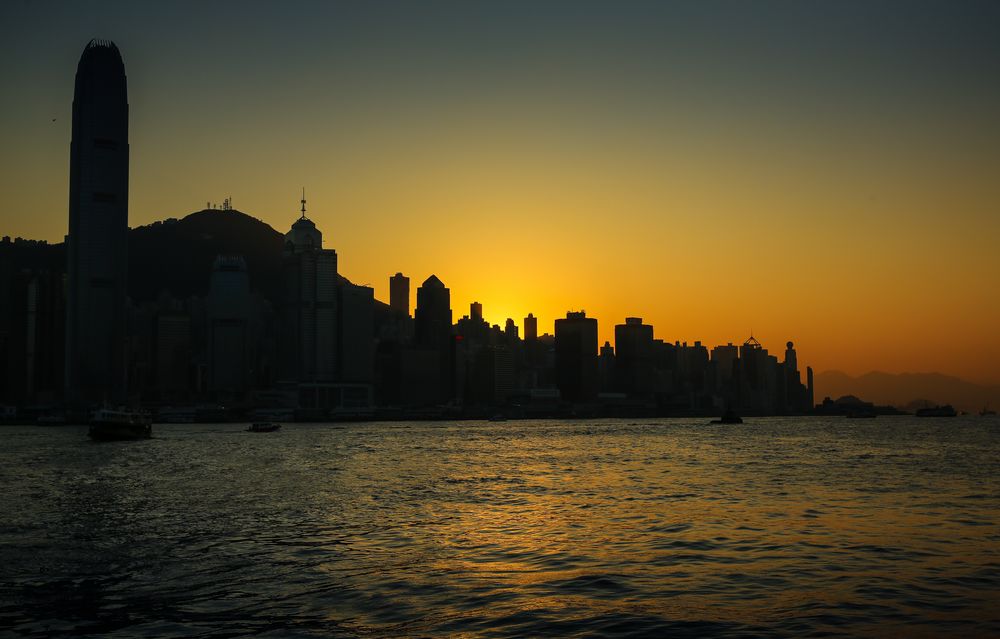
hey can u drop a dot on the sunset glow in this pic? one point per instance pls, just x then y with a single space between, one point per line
660 162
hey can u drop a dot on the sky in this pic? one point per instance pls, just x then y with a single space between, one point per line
821 172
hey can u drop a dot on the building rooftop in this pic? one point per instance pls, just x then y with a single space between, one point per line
433 282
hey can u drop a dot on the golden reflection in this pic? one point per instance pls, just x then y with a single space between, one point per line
683 522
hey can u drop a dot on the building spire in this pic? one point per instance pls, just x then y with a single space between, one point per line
303 202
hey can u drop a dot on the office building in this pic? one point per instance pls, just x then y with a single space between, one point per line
399 294
432 320
634 357
98 229
229 338
576 357
308 350
530 328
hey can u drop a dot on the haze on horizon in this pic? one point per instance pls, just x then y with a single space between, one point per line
820 172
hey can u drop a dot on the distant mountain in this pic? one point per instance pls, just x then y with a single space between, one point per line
903 389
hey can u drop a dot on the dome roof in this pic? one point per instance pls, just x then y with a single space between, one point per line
100 75
100 43
101 53
304 235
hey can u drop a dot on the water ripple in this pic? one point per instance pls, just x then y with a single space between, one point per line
779 527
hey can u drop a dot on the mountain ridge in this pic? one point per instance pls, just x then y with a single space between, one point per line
903 389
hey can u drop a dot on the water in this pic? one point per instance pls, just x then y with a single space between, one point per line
780 527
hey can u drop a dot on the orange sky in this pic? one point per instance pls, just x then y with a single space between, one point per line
843 199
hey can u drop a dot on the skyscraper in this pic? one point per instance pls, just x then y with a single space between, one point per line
510 330
433 333
228 330
98 229
309 308
433 314
530 328
399 294
634 356
576 357
327 340
791 359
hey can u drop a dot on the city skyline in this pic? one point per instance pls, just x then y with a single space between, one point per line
858 228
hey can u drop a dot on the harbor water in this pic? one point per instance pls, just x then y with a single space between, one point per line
785 527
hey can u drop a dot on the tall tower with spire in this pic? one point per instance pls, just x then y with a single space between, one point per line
327 338
97 260
309 308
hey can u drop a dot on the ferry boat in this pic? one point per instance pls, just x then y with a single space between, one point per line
112 424
263 427
937 411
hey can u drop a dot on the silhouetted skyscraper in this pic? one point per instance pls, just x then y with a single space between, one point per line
399 294
98 228
576 356
634 356
229 339
355 346
172 354
432 320
476 311
724 357
510 330
791 360
309 308
606 366
32 324
433 313
725 364
530 328
758 383
327 337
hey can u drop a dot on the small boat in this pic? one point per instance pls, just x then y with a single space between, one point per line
728 417
118 424
937 411
987 412
263 427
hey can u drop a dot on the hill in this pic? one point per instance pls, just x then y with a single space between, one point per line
177 255
901 389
